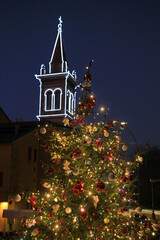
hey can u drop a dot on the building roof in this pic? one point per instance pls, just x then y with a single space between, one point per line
58 62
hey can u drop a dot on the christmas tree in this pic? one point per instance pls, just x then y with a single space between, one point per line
89 182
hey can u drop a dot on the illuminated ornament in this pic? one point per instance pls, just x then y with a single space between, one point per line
155 227
127 172
66 122
76 153
64 231
138 210
124 148
81 120
68 210
78 188
88 140
55 208
51 215
75 171
73 123
66 167
141 233
95 200
84 215
17 198
123 231
46 185
118 138
106 134
100 186
98 143
111 177
30 222
92 129
106 220
35 232
139 159
43 130
33 200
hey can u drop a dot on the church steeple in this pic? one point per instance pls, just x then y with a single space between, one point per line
58 62
57 87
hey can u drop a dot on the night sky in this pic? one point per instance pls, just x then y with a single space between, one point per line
123 38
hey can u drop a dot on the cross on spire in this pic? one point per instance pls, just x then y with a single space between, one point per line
60 24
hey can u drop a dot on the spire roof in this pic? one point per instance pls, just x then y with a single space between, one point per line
58 62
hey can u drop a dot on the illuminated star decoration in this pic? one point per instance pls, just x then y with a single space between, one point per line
95 200
66 121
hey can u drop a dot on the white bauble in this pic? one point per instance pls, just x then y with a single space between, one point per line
43 130
68 210
34 232
17 198
124 148
138 210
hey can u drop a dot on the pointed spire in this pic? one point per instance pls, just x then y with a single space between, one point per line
58 62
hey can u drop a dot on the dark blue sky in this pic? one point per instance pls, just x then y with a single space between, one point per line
123 38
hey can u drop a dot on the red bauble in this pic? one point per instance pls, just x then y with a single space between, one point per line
78 188
81 120
64 231
51 170
100 186
73 122
110 124
33 200
98 142
123 230
51 215
84 216
77 153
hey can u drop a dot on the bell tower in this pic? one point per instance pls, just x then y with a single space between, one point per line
57 98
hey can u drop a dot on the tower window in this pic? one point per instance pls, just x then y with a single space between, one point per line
57 99
68 98
49 100
71 103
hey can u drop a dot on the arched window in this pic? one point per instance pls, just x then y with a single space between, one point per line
48 100
57 99
68 99
71 103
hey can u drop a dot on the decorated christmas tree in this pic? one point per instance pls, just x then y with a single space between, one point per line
89 181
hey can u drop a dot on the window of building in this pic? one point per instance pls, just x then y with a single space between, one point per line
35 155
29 153
57 99
1 179
68 97
49 100
71 103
